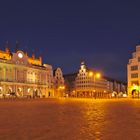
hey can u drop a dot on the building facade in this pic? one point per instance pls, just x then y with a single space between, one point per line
91 83
70 84
117 88
59 85
133 74
24 75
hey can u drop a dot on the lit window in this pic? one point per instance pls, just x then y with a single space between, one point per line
133 68
134 83
134 75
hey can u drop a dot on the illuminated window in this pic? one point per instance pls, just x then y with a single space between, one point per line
134 75
134 83
133 68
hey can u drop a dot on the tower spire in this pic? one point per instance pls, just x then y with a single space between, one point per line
33 54
17 46
7 47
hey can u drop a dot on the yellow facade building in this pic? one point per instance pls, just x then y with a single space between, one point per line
25 76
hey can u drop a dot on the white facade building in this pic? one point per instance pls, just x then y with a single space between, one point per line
133 73
90 83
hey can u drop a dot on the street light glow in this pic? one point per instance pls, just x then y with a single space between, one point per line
98 75
62 87
90 74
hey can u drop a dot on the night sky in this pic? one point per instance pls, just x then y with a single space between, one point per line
102 33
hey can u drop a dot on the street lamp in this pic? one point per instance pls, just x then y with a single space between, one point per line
98 75
90 74
62 88
95 76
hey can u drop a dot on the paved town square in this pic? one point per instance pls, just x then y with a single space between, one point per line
71 119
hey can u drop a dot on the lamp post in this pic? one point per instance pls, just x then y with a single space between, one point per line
95 76
61 89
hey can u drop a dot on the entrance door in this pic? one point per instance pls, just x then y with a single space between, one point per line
135 93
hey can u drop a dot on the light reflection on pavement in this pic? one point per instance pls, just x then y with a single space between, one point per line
69 119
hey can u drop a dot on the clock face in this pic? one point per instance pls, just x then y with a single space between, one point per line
20 55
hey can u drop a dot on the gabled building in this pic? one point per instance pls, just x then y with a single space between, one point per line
59 84
91 83
133 74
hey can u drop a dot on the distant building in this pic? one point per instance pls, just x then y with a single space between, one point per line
133 74
90 83
59 85
70 84
25 75
116 86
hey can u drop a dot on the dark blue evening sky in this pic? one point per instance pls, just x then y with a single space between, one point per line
101 32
